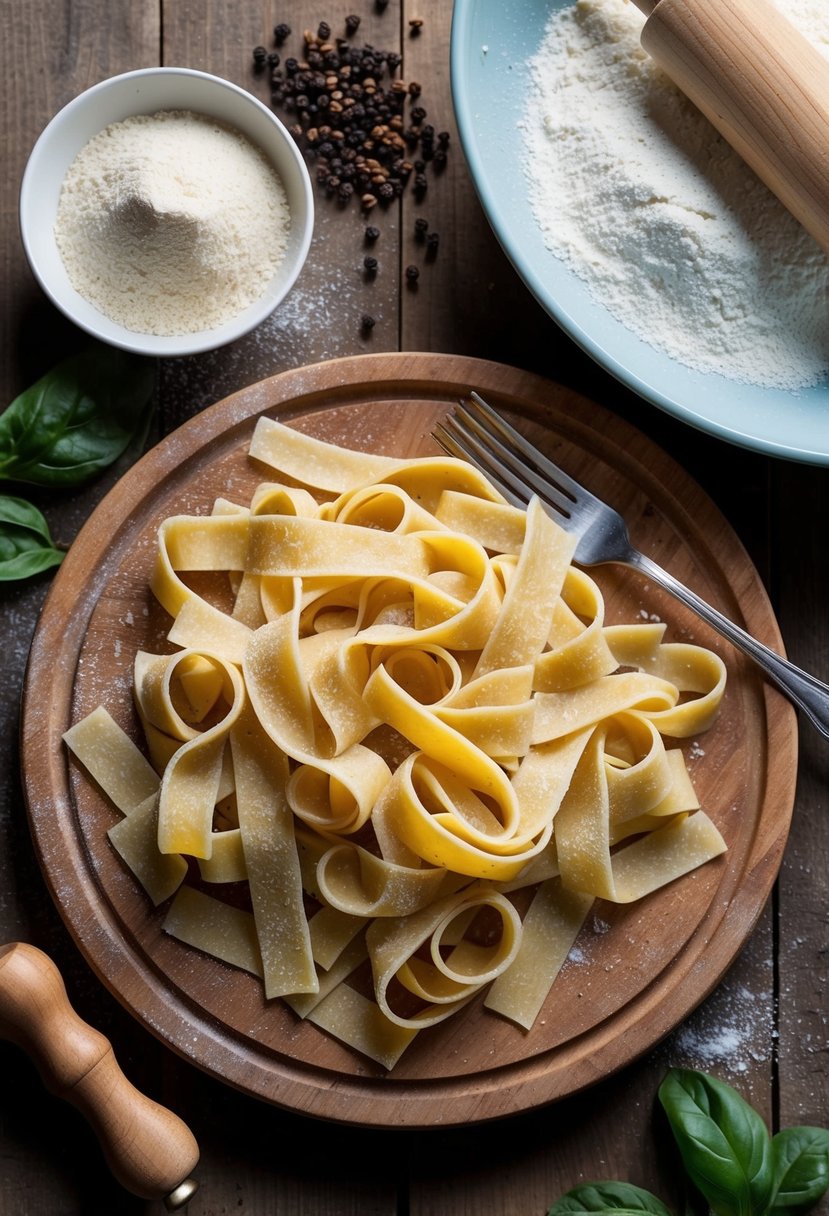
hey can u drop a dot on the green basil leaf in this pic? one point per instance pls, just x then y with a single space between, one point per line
800 1162
724 1144
26 547
620 1198
77 419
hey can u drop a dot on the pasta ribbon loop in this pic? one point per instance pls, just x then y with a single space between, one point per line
396 718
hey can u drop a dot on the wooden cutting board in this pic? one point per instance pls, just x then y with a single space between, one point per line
637 970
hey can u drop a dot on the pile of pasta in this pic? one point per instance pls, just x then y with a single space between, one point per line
401 721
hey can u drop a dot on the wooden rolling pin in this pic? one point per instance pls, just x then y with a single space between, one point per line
763 86
148 1148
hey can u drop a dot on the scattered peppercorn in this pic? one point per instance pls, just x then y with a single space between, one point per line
412 274
349 111
370 263
372 234
367 322
416 25
421 227
432 243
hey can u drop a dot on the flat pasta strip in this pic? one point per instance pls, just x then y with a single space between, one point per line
111 757
396 716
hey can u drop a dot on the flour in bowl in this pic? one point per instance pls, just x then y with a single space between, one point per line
639 195
171 223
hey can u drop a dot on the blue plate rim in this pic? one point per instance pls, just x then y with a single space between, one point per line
460 57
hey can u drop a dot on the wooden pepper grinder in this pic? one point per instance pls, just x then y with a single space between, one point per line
763 86
148 1148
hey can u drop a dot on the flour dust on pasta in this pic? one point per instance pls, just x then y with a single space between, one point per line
412 722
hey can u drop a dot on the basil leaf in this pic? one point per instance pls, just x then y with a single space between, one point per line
26 547
77 419
618 1197
724 1144
800 1163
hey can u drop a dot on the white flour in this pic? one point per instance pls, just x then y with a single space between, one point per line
171 223
639 195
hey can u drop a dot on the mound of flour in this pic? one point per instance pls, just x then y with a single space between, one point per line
641 197
171 223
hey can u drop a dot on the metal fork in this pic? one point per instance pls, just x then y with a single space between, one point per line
476 433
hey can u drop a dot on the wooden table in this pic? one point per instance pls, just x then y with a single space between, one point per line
764 1028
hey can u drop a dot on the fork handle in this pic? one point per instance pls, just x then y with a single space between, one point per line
807 692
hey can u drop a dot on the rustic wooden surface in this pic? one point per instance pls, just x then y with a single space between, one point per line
763 1030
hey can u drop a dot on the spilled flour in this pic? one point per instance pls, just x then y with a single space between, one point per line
638 194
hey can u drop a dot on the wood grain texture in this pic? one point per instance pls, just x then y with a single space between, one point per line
257 1159
654 963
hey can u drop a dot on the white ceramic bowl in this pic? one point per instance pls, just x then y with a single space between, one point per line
145 92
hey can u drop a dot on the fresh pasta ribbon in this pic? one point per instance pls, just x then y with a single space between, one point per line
398 717
190 786
445 984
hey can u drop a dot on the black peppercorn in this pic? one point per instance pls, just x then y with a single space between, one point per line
260 57
370 263
352 24
421 227
281 32
323 31
291 66
412 274
416 25
372 234
417 115
367 322
432 243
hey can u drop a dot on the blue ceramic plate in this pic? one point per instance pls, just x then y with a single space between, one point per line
492 42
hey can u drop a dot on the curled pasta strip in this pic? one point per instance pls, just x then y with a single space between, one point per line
444 984
191 784
408 708
446 823
361 884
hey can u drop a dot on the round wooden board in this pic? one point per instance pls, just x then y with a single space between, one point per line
637 970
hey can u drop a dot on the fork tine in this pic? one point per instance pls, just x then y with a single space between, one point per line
544 470
475 438
456 442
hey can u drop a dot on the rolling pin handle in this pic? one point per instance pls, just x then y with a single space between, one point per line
149 1149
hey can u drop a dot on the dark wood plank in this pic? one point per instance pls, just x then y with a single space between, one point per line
469 301
50 52
322 317
801 507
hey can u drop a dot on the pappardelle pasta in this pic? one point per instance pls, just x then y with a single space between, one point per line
411 735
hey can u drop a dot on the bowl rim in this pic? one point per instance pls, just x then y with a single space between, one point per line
162 345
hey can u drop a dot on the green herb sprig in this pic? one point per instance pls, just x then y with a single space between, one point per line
76 421
728 1155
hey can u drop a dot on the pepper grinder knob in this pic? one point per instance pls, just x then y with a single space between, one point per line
149 1149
